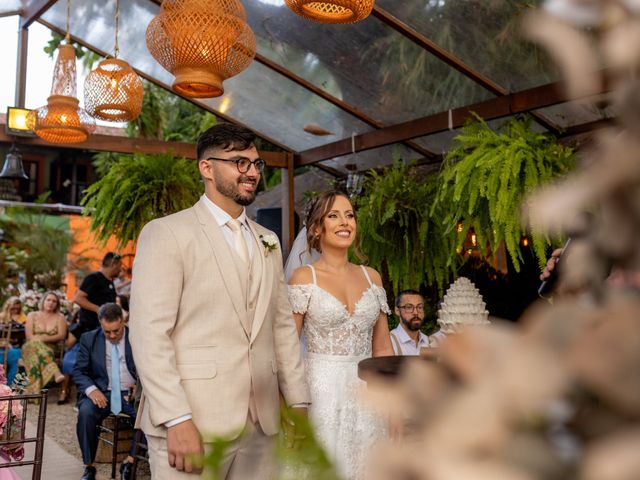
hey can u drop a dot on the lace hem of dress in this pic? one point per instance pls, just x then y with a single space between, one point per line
381 295
299 296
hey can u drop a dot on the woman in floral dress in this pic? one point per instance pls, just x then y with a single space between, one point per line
44 329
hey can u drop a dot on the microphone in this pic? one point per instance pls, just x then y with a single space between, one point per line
547 286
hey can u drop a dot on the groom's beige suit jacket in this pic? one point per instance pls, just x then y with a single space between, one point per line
207 336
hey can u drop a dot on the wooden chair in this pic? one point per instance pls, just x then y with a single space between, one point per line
141 451
110 432
38 439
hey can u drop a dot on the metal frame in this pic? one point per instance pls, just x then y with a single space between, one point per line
36 8
504 104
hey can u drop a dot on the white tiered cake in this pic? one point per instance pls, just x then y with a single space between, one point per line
461 307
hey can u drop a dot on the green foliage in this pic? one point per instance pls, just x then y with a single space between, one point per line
138 188
407 224
398 235
166 116
35 244
153 117
485 177
298 453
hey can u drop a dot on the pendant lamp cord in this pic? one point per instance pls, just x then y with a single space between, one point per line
116 48
67 37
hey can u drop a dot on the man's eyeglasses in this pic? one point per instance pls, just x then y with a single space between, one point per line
408 308
244 164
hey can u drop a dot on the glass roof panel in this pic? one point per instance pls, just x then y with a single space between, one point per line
8 54
368 65
578 112
483 34
258 97
7 6
373 158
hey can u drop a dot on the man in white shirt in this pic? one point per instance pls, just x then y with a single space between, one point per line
406 338
104 373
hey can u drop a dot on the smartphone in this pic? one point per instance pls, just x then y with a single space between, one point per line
548 285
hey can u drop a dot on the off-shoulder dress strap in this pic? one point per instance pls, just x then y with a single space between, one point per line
366 274
313 273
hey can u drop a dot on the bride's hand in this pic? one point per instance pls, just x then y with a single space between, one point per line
293 421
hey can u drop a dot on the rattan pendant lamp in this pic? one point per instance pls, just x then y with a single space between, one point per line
332 11
61 120
113 91
202 43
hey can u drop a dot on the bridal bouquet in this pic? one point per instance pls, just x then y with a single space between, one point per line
11 427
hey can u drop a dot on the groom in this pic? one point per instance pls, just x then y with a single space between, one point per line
212 332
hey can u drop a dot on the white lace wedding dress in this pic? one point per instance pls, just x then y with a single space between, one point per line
336 341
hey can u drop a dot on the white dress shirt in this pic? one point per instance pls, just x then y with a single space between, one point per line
126 379
221 217
407 344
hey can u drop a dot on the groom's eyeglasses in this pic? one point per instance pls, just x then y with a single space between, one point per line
243 164
409 308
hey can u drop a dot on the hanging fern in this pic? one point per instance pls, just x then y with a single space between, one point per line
397 235
487 174
138 188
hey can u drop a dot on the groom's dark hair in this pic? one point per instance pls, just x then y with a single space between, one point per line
226 136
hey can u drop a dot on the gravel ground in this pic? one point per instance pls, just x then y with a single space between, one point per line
61 427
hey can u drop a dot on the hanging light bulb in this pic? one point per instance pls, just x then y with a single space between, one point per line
202 43
332 11
13 167
61 120
113 91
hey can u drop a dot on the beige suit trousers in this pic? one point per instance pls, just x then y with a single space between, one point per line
250 457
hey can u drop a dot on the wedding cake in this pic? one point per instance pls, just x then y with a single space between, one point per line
461 307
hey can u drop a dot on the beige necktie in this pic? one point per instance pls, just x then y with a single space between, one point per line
239 242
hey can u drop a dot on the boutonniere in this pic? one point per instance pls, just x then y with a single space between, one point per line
270 243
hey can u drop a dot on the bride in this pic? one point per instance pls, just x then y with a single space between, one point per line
342 310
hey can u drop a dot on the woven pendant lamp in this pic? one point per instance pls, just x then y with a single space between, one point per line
113 91
202 43
333 11
61 120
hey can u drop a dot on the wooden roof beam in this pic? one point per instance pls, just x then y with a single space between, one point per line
519 102
111 143
33 11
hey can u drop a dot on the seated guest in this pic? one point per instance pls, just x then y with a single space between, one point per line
104 372
43 330
406 338
12 311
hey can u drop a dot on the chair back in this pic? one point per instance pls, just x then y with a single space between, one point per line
20 438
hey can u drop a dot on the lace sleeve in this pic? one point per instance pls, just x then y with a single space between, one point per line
299 297
381 295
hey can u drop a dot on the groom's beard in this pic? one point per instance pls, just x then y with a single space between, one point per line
231 190
414 323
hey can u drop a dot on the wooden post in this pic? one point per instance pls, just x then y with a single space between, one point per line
288 206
